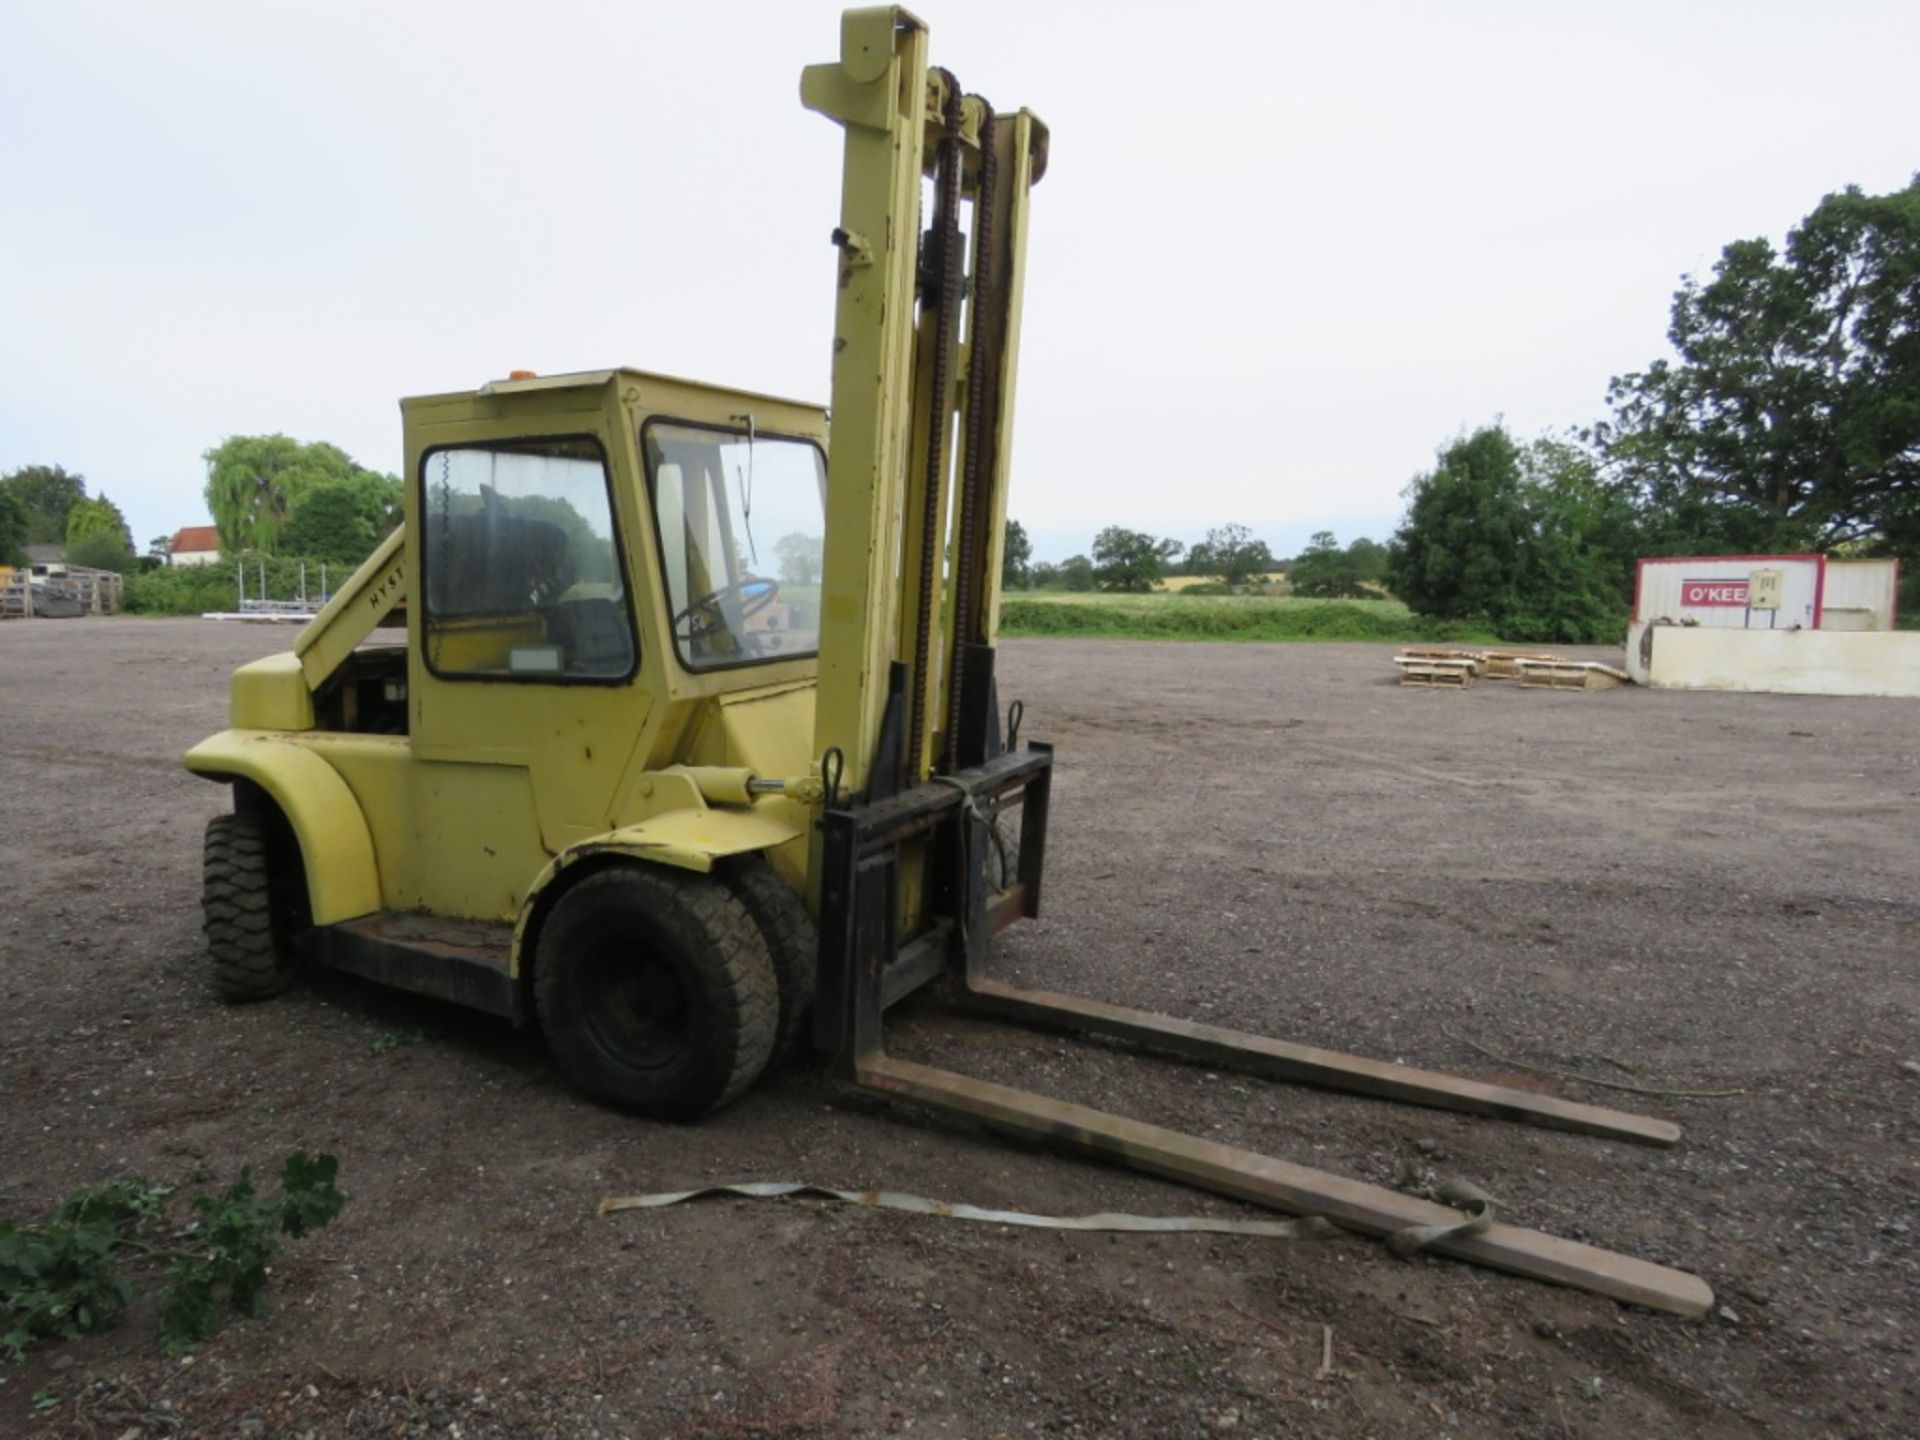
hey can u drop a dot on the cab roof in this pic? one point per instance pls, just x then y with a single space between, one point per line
594 379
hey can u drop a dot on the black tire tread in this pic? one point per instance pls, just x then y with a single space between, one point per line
733 943
250 961
792 943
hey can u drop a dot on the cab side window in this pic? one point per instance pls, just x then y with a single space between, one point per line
523 574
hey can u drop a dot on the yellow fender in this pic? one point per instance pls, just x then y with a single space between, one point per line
686 839
343 881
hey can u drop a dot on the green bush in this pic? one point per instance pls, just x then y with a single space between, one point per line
101 551
190 590
196 589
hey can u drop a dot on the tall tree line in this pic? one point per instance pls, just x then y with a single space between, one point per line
1787 418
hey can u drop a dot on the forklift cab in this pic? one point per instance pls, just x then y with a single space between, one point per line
610 564
566 541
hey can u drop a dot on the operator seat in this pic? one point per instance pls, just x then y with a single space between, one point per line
593 634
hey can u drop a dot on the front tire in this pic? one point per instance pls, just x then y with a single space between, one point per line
656 991
792 943
246 910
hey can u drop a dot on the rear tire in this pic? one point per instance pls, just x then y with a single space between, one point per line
248 916
792 942
656 991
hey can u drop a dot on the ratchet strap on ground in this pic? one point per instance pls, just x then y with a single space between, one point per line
1476 1208
1311 1227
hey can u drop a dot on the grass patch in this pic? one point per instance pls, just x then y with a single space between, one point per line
1160 600
1226 617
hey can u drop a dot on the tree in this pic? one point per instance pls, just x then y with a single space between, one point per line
97 536
342 521
1790 414
255 484
1530 541
1324 571
1076 573
247 491
98 517
388 494
799 557
1130 560
13 528
1576 580
160 547
1458 548
1231 554
1016 553
102 551
45 493
1369 561
332 523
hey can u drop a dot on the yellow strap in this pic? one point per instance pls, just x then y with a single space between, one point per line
1476 1205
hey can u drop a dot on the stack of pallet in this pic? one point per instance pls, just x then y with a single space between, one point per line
1453 668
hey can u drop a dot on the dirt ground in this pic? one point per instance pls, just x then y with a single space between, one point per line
1674 890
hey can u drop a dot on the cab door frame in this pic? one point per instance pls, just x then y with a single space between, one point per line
510 771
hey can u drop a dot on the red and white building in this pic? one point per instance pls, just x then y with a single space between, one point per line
1767 592
194 545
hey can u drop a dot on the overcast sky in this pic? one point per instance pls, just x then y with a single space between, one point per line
1282 254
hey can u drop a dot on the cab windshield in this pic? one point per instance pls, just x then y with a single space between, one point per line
741 530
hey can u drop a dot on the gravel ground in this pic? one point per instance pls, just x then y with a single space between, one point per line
1672 890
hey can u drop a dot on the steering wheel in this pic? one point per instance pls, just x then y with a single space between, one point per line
753 593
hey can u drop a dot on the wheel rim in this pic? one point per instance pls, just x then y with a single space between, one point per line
637 1008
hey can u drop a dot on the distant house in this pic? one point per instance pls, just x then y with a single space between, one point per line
194 545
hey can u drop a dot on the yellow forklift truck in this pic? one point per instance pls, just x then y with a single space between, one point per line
691 751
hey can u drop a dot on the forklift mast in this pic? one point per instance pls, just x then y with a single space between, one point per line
926 336
916 770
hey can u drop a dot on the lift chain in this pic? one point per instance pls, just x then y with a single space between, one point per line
983 306
944 241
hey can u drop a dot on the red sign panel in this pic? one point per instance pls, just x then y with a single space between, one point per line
1713 592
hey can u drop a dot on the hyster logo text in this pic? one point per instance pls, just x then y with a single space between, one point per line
1713 592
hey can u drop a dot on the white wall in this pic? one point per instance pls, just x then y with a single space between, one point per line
1860 594
193 557
1785 662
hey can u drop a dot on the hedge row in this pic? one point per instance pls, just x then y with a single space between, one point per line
196 589
1235 619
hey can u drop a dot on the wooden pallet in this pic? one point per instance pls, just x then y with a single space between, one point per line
1569 675
1456 674
1442 652
1505 664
